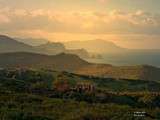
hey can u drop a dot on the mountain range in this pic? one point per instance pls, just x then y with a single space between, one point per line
52 56
95 46
102 51
113 54
74 64
92 46
105 47
32 41
8 44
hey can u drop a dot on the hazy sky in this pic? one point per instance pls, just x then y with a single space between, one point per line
129 23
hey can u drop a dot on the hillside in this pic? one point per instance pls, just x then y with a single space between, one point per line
52 48
72 63
56 48
80 52
113 54
8 44
104 47
28 94
142 72
107 84
32 41
95 46
43 56
60 62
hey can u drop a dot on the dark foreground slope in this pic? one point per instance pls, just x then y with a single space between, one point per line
30 95
62 62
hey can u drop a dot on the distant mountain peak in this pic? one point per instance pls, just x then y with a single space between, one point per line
32 41
52 44
4 36
8 44
95 46
6 39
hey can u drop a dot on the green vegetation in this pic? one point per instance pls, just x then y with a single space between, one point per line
33 107
31 95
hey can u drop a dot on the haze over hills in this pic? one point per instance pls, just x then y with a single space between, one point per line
42 56
96 46
72 63
32 41
106 52
56 48
8 44
52 47
103 47
113 54
79 60
101 51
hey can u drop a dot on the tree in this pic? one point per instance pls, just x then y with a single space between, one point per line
61 84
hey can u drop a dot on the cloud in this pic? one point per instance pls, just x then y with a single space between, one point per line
20 12
4 19
139 17
89 22
102 1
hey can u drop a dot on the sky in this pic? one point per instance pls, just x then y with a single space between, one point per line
128 23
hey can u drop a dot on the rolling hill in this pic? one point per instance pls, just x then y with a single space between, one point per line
52 48
74 64
56 48
104 47
17 54
32 41
142 72
95 46
113 54
60 62
8 44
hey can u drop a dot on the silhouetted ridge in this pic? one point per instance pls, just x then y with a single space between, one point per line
60 62
8 44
